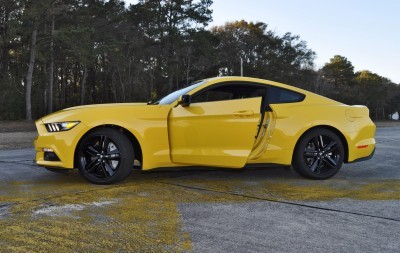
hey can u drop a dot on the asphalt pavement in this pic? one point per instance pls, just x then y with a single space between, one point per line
254 210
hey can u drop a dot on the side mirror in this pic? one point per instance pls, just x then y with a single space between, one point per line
185 100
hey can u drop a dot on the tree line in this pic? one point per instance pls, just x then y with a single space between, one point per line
60 53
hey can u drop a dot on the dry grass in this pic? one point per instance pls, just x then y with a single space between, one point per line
17 134
387 123
17 126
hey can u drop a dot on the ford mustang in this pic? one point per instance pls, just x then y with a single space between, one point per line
231 122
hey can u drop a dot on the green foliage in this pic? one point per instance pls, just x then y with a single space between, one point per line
373 91
339 71
152 47
364 87
11 99
264 53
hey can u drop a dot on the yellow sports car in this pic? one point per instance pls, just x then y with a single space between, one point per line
231 122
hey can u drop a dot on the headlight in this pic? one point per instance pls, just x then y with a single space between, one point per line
61 126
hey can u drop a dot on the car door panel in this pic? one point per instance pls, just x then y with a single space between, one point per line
217 133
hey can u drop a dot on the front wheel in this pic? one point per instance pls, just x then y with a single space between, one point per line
105 156
319 154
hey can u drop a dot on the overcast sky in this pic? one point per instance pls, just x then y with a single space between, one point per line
367 32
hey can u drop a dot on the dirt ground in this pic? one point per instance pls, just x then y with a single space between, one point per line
388 123
252 210
20 134
203 210
17 134
17 126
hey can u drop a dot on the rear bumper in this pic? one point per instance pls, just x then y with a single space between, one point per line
364 158
361 144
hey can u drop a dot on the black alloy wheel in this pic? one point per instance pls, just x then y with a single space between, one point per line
105 156
319 154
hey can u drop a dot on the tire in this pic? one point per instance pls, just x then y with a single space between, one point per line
105 156
319 154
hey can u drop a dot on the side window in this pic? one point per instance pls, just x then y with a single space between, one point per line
229 92
211 96
277 95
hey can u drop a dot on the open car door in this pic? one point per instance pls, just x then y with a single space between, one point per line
220 133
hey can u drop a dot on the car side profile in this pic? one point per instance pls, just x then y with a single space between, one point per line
231 122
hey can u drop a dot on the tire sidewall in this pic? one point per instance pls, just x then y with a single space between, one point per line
126 156
299 163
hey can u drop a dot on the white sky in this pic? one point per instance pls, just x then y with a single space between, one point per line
367 32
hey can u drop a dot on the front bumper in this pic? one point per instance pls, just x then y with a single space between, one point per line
63 145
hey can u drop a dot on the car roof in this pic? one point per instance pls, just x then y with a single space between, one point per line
214 80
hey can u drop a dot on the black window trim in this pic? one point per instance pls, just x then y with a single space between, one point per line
267 86
301 98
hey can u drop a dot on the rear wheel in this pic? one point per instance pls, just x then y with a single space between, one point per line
105 156
319 154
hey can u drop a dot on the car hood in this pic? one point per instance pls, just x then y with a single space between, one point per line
95 111
103 105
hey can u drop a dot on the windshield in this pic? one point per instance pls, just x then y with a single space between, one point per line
176 94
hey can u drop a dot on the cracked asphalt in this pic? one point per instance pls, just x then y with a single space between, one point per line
254 210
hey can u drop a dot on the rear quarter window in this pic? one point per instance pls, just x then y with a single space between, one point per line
276 95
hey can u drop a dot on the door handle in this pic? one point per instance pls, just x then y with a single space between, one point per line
243 113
